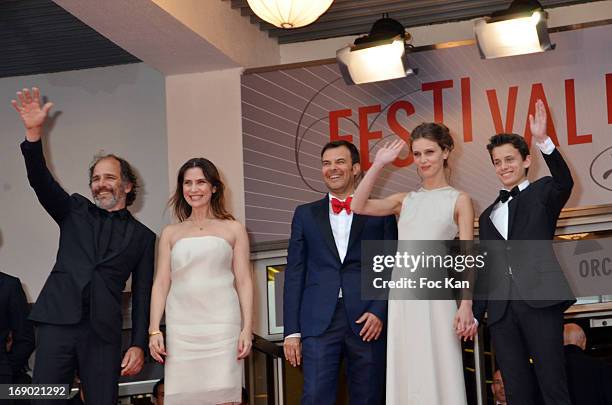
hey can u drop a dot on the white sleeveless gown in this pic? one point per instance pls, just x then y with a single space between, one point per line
424 363
202 325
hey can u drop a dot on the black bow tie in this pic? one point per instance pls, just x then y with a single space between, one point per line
504 195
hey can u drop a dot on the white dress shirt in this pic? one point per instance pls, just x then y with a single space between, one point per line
499 213
341 228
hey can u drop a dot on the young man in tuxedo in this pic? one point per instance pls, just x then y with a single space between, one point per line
523 324
325 318
78 311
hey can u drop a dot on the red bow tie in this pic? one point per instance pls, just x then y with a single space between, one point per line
338 206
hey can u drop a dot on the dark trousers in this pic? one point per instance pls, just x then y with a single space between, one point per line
63 349
526 332
365 363
6 379
15 379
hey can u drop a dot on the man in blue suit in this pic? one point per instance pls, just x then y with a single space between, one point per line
325 318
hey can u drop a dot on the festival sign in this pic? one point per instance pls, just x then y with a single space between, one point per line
289 114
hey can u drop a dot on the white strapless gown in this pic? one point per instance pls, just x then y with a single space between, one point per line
424 363
202 325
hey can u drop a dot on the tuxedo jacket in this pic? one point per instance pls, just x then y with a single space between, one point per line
14 319
532 216
79 265
315 274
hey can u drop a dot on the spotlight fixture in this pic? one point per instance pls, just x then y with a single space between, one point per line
519 30
289 13
380 55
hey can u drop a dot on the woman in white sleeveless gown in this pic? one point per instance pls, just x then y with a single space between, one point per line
424 362
203 282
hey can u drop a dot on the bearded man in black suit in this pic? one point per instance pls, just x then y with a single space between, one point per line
78 311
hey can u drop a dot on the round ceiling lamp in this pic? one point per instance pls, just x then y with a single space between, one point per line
289 13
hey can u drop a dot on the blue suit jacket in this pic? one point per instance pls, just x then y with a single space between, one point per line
315 274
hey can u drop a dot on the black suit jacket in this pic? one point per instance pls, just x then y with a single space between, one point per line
532 216
14 319
586 378
78 265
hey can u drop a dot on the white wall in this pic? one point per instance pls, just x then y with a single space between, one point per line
117 109
178 37
441 33
223 27
205 120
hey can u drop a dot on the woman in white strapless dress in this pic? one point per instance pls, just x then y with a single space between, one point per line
204 283
424 362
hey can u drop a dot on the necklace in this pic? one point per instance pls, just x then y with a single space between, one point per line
200 226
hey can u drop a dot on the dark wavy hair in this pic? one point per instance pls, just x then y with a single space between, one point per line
180 207
127 175
435 132
515 140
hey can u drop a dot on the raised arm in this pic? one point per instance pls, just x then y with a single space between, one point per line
562 181
244 287
50 194
391 205
31 113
